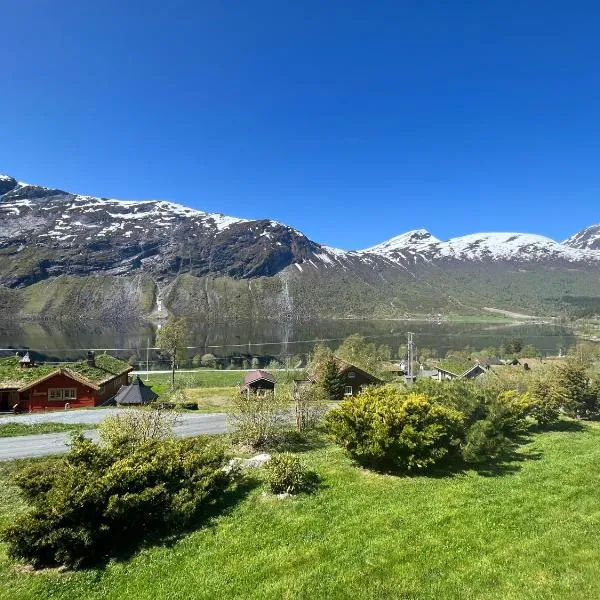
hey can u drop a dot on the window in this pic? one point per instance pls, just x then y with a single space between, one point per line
351 375
60 394
348 390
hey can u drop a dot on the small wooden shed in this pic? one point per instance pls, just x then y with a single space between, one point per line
258 382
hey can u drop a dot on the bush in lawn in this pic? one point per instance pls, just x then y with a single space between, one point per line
494 435
387 427
545 405
286 474
257 420
133 427
310 404
570 386
99 500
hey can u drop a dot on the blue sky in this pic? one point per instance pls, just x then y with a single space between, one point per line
351 121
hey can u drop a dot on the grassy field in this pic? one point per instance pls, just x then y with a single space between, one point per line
161 382
530 530
17 429
211 400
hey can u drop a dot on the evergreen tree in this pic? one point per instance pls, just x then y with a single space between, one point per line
331 382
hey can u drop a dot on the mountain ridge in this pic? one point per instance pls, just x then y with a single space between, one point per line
193 260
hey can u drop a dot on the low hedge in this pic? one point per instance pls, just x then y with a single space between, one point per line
99 500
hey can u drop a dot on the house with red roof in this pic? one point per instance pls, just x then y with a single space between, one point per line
258 382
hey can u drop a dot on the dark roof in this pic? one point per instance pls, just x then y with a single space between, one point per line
475 368
135 393
257 375
491 360
343 366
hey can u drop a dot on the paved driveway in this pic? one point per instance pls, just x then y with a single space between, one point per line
188 425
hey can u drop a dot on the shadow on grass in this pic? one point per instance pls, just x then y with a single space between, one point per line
165 538
298 441
506 462
569 425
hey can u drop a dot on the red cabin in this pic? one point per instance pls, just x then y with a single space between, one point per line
40 387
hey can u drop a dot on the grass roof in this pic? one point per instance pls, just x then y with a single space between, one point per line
12 375
456 365
106 368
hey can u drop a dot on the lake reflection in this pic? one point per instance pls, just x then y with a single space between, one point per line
61 341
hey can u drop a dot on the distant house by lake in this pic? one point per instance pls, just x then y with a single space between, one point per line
258 382
354 378
28 387
456 369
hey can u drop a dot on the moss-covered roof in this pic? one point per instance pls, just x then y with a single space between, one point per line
12 375
455 365
107 367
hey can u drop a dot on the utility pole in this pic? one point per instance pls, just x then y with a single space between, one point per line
411 355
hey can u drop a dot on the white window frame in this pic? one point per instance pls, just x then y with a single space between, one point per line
348 390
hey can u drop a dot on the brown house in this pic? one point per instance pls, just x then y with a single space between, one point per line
258 382
354 378
28 387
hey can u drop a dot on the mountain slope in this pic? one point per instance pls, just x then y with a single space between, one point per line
589 239
488 247
48 232
70 256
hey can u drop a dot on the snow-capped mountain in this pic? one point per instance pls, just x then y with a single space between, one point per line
57 232
150 254
589 238
492 247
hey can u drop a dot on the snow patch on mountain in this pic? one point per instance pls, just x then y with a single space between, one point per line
589 238
495 246
412 241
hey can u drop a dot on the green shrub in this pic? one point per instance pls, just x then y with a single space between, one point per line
484 442
492 436
209 361
132 427
287 475
545 404
387 427
99 500
257 420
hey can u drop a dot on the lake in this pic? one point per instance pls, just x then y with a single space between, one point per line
53 341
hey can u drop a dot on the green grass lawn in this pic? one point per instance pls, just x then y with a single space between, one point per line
161 382
530 531
211 400
15 429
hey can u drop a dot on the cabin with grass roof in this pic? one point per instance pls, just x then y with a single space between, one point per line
454 368
31 387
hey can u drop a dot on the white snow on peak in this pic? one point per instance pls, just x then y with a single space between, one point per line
5 177
158 210
587 238
480 246
415 240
